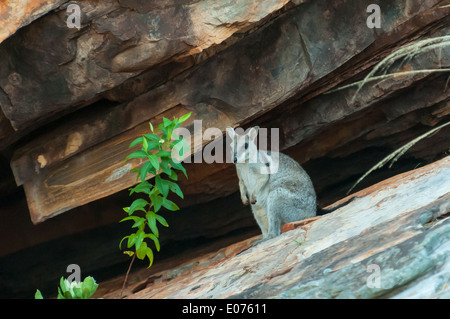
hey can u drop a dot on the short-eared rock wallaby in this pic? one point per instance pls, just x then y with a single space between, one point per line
277 187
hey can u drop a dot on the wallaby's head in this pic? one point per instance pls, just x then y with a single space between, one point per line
243 144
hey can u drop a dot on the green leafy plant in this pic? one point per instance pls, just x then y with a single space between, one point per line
156 150
74 289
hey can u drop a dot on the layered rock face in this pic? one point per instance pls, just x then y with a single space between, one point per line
228 62
73 97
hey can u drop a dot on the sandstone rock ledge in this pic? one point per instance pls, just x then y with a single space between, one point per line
393 241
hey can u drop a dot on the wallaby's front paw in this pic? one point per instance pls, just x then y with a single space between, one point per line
253 200
244 200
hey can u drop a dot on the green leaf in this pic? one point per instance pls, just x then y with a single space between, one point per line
137 154
138 204
141 252
149 254
128 218
152 137
90 283
64 284
169 133
68 295
89 287
86 293
143 187
156 201
154 161
178 166
175 188
170 205
166 122
60 294
154 145
139 238
129 253
138 221
162 185
164 136
120 244
137 141
164 154
175 122
173 175
165 166
161 220
135 170
184 117
155 240
152 223
145 169
151 126
131 240
38 295
145 144
78 292
184 171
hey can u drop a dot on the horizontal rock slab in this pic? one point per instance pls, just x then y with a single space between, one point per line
17 14
117 40
390 242
251 83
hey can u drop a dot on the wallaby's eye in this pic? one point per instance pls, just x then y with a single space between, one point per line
246 145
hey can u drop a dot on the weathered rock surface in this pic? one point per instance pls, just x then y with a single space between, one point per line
16 14
398 230
67 68
72 100
275 75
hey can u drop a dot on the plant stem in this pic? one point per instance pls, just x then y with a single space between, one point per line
126 276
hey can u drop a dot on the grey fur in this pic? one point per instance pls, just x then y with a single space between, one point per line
281 197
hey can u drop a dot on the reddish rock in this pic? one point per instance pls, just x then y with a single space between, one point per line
405 216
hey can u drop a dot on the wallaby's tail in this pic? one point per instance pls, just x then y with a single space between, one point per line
322 211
